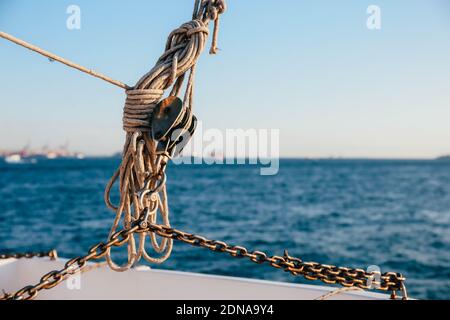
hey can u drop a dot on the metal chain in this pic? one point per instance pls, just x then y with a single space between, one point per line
73 266
52 254
329 274
347 277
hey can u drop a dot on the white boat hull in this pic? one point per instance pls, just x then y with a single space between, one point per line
143 283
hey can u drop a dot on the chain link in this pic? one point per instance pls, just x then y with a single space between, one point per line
52 254
347 277
73 266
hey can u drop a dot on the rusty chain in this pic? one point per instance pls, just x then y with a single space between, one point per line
347 277
73 266
329 274
52 254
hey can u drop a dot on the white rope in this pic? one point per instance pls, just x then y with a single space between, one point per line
140 164
68 63
338 292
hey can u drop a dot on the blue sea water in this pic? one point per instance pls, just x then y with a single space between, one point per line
357 213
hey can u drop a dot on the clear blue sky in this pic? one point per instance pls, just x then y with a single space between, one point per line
310 68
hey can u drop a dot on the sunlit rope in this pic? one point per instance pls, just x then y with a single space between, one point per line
141 166
139 160
338 291
68 63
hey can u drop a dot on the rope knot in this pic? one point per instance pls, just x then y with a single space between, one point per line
202 28
208 10
142 162
214 8
138 108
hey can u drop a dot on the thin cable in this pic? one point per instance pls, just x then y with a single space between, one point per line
68 63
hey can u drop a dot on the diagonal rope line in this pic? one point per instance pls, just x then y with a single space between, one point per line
68 63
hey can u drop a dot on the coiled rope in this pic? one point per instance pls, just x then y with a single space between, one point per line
141 166
141 162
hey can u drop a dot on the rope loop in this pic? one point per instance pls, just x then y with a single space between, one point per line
141 176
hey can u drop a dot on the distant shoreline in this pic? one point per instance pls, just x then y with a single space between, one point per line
443 158
118 156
